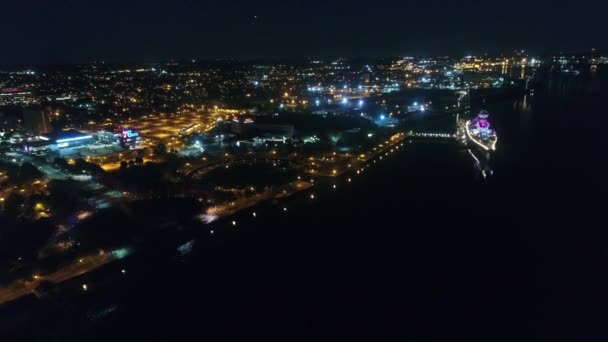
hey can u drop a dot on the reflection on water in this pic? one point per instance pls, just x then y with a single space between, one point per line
589 81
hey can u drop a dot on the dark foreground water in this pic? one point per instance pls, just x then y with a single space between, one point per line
418 246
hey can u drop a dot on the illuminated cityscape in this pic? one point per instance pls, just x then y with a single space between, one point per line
238 171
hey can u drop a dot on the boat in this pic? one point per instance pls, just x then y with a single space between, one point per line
480 134
482 139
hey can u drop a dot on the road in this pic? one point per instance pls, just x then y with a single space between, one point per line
78 267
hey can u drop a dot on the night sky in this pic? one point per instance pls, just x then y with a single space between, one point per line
65 31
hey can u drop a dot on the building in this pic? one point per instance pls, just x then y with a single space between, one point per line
69 142
60 143
15 96
243 126
39 146
109 138
128 137
36 121
246 126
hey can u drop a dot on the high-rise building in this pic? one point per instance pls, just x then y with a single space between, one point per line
10 118
36 121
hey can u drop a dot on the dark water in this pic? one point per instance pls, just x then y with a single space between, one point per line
417 247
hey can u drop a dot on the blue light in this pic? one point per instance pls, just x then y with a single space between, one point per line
345 100
74 139
318 102
382 117
415 103
360 103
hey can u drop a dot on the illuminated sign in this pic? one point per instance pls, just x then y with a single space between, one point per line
128 134
11 90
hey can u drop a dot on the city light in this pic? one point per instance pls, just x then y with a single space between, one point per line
74 139
147 132
208 218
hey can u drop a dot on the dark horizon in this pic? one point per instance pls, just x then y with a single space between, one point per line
275 60
70 32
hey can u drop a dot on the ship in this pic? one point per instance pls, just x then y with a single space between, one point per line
480 134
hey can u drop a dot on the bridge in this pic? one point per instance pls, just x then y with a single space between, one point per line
432 135
192 169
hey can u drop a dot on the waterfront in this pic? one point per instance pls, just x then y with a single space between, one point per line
417 238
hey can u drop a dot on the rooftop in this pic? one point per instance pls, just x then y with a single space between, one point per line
68 135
